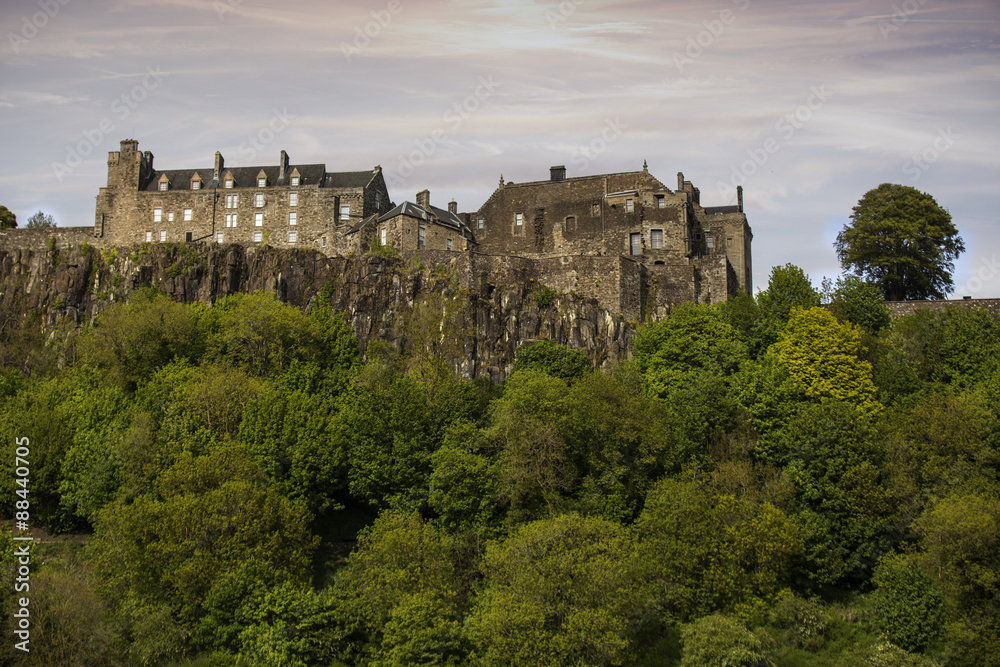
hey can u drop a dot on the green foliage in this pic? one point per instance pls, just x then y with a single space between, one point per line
860 303
906 605
464 483
544 296
550 357
40 220
718 641
7 218
900 239
802 623
788 288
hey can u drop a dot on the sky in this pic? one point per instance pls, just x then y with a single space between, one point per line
807 105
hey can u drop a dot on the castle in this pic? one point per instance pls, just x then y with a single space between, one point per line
624 239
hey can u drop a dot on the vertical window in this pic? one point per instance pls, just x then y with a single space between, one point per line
230 220
292 218
293 198
519 219
149 236
570 224
378 200
661 201
258 219
449 244
293 237
157 214
709 241
322 242
635 243
258 199
629 205
187 215
257 237
196 185
656 239
163 186
420 237
219 237
481 223
229 183
163 235
261 182
295 180
595 209
345 212
170 217
383 235
232 201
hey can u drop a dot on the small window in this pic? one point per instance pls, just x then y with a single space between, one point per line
519 219
149 236
661 201
230 220
656 239
709 241
635 243
481 223
157 214
292 218
170 217
232 201
219 237
187 215
420 237
163 235
729 242
196 185
293 237
345 212
322 242
295 180
258 219
257 236
698 236
229 183
378 200
449 244
570 223
293 198
629 205
163 186
261 182
595 209
258 199
382 235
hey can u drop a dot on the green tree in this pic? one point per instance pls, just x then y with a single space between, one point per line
550 357
39 220
7 218
907 607
788 288
719 641
860 303
900 239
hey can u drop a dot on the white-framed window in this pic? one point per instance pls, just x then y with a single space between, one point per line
293 237
295 180
345 212
196 185
157 214
230 219
261 182
258 219
661 201
219 237
149 236
257 236
187 215
322 242
232 201
292 218
481 223
293 198
635 243
420 237
258 199
228 183
519 219
383 235
163 235
629 205
449 244
656 239
170 217
163 186
709 241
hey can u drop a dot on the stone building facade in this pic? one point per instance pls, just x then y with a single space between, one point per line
415 227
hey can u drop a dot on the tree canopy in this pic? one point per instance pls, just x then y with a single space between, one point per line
40 219
7 218
902 240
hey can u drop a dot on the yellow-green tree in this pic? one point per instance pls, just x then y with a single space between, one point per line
822 357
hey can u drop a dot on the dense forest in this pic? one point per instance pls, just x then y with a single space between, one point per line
791 479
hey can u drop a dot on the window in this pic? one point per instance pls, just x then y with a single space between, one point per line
219 237
293 237
656 239
258 199
293 198
295 180
378 200
635 243
729 242
163 186
481 223
196 185
345 212
420 237
163 235
258 219
709 241
629 205
229 183
519 219
322 242
595 209
292 217
257 237
261 182
449 244
661 201
383 235
170 217
230 219
187 215
570 223
149 236
157 214
232 201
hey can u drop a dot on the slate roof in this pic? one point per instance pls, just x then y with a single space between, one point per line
435 216
246 177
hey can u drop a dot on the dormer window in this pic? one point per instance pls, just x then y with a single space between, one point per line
228 183
295 180
163 186
164 183
261 182
196 185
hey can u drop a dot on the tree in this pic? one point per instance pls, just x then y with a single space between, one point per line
718 641
550 357
902 240
7 218
909 608
41 220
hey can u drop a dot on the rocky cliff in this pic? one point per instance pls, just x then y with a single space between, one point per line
380 297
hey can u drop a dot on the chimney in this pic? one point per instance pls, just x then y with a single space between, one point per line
219 163
453 207
424 199
739 197
282 165
557 173
680 181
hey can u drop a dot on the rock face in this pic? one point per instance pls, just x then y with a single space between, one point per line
403 302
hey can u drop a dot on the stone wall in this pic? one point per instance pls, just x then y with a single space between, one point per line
901 308
39 239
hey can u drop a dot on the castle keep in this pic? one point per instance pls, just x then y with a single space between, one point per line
624 239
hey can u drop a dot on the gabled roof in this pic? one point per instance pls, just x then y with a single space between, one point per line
435 216
246 177
349 179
